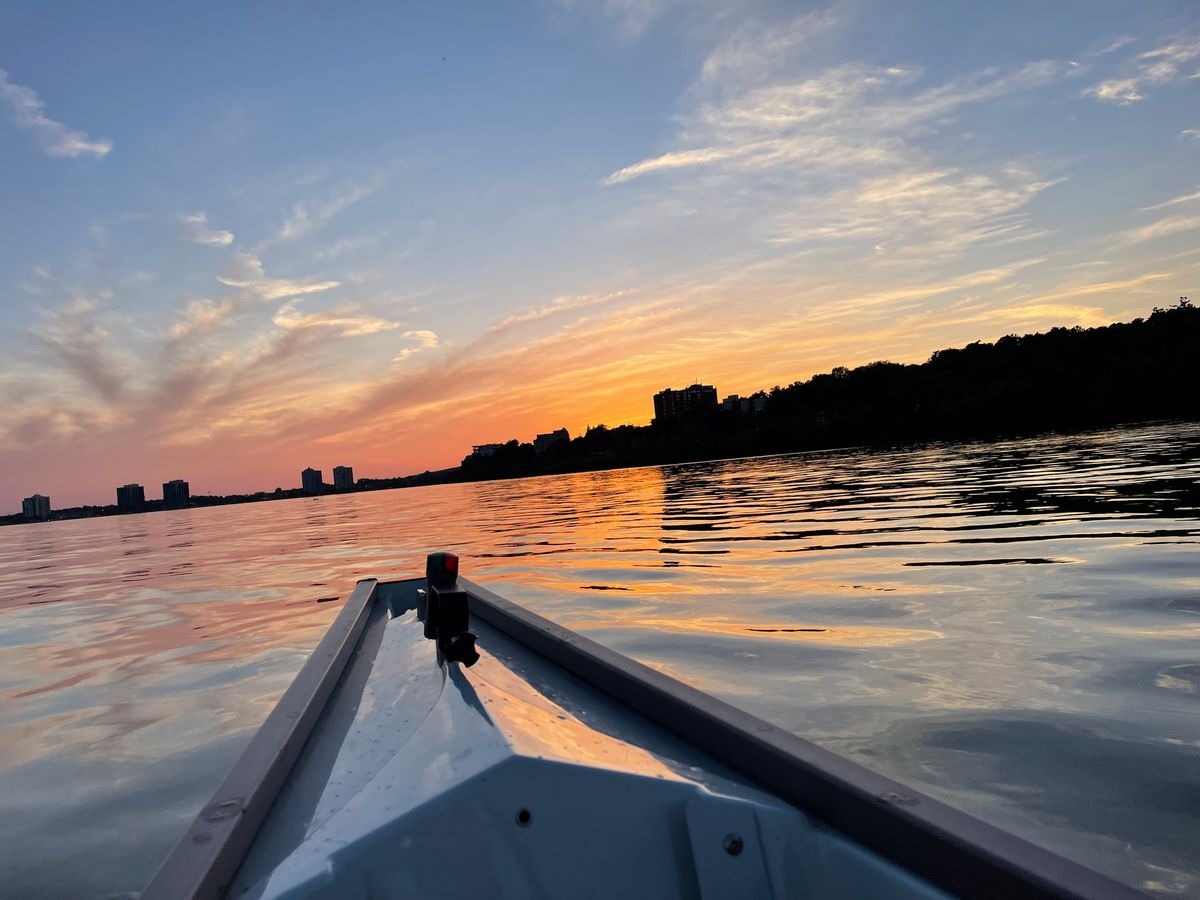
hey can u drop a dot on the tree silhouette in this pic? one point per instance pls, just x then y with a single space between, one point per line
1060 380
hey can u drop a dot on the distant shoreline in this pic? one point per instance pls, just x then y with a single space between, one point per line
412 481
1065 381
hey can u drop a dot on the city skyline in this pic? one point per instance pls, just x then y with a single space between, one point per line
241 239
176 494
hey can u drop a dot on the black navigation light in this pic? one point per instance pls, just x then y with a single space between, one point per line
445 610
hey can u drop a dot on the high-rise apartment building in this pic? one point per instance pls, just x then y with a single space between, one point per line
131 497
672 404
176 493
36 508
312 480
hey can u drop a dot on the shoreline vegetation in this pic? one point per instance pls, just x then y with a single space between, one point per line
1062 380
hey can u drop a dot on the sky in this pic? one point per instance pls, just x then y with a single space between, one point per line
243 239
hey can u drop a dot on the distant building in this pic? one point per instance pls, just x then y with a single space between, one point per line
312 480
483 451
543 442
131 497
36 508
176 493
671 404
343 477
747 406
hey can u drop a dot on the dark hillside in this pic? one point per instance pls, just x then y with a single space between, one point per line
1065 379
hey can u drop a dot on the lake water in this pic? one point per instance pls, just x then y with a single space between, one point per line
1012 627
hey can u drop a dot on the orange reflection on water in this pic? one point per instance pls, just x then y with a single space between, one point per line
841 635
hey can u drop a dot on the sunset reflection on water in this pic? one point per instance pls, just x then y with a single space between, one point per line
1011 627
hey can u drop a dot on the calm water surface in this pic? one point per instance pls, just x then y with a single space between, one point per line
1013 627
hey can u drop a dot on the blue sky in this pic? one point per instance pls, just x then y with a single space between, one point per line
245 239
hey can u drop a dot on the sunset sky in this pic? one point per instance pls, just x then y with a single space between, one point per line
244 239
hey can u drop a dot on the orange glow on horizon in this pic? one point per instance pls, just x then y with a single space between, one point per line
568 369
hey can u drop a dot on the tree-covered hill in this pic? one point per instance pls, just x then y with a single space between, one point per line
1065 379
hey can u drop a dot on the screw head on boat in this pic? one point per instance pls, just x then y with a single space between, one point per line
733 844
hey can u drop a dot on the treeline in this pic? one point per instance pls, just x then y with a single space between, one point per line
1065 379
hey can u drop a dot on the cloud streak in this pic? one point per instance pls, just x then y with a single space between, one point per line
253 287
1162 228
631 17
754 47
1147 70
426 340
197 230
346 322
307 218
676 160
247 273
83 347
1174 201
28 112
838 156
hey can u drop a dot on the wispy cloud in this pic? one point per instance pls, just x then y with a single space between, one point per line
197 231
83 347
631 17
1113 46
108 373
562 304
200 316
345 245
247 272
1162 228
835 156
844 116
754 47
253 286
675 160
1147 70
1118 90
345 321
426 340
1059 293
54 137
307 218
1174 201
